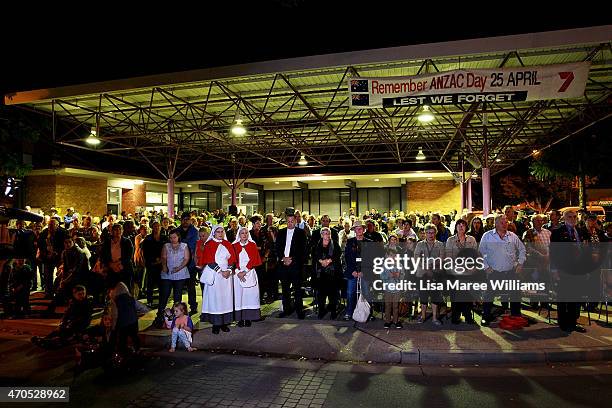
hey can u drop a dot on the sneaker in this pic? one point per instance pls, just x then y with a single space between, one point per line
215 330
346 318
241 323
419 319
247 323
437 322
225 329
387 325
399 325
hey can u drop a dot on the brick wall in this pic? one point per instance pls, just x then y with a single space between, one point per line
84 194
130 199
40 192
424 196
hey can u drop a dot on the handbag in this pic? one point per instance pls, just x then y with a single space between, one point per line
362 310
208 276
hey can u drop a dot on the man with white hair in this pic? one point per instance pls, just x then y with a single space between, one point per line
504 255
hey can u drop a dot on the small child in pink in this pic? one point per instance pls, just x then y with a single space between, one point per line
181 326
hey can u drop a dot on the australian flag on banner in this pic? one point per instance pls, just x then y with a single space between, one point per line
359 85
360 99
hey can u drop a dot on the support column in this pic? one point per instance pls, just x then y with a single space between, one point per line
234 202
462 205
486 191
170 198
468 194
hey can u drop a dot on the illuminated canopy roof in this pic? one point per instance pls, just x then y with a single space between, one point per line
180 123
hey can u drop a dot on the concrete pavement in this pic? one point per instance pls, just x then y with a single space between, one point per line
415 344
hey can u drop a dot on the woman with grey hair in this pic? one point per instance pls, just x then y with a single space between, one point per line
328 271
431 252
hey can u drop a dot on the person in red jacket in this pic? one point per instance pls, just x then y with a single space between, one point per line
246 285
217 263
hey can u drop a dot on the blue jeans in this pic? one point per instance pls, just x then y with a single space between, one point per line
179 334
351 294
165 286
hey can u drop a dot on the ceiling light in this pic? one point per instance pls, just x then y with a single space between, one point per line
425 116
303 161
188 185
138 182
498 160
376 179
429 178
536 151
420 155
238 129
92 140
324 181
277 182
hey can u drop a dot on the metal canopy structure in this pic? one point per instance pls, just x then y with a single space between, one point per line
179 123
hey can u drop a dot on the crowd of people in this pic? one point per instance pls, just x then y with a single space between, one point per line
240 262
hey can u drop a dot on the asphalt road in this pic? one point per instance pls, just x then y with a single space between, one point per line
202 379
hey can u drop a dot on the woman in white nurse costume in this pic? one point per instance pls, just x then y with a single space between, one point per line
217 260
246 285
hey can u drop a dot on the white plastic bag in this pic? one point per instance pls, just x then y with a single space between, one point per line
362 309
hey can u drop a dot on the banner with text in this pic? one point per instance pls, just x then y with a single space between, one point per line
469 86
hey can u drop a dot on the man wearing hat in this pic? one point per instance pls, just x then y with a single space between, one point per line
291 253
352 254
189 235
69 217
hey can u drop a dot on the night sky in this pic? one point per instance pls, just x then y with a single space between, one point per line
51 47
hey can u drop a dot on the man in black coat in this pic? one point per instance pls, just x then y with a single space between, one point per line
291 253
51 246
564 260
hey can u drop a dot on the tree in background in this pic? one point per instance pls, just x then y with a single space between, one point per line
578 162
533 193
16 128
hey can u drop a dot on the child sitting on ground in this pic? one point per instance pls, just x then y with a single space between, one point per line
75 321
97 347
181 325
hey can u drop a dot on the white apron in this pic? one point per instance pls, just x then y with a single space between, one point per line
217 290
246 293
